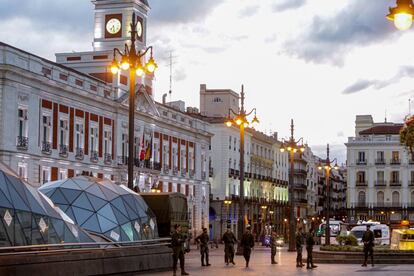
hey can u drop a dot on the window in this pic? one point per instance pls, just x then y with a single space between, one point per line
22 122
361 197
94 139
107 142
395 197
395 156
79 135
46 126
45 174
63 132
395 176
165 157
380 156
361 156
183 164
175 157
412 178
380 197
230 142
124 145
217 100
380 177
63 174
22 170
360 177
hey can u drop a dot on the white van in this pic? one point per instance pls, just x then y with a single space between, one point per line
381 232
336 228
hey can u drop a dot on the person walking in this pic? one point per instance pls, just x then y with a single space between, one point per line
177 243
310 242
229 239
368 240
273 246
299 247
247 242
203 240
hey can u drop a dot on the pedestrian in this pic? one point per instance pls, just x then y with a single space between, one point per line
203 240
368 240
177 243
229 240
299 247
310 242
273 246
247 242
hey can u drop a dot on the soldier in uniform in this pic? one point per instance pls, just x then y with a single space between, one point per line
299 245
177 243
247 242
368 240
310 242
273 246
203 240
229 239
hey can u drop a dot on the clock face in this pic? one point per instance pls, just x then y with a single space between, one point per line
113 26
139 29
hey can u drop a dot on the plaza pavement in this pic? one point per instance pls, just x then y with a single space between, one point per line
260 265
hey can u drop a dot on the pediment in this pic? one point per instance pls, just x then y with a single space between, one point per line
143 102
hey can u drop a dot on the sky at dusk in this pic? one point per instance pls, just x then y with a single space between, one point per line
320 62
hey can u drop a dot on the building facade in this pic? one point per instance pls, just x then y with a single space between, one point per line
68 118
380 173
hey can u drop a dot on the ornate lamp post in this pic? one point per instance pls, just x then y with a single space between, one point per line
292 146
326 165
132 60
240 120
402 14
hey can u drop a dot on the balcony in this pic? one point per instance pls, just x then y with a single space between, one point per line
122 160
300 186
22 143
94 156
387 205
79 154
380 162
175 170
361 162
361 183
166 169
395 183
395 162
63 150
380 183
108 159
210 172
300 171
46 147
203 175
191 173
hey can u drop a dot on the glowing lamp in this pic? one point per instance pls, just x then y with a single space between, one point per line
319 167
289 148
245 124
239 121
140 71
114 67
403 21
402 15
302 149
151 65
282 149
124 63
228 123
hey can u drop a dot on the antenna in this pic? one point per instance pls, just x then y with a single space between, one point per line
385 115
171 63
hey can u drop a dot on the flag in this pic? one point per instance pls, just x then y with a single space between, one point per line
142 152
148 152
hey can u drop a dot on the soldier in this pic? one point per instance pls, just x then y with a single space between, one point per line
368 240
203 239
177 243
247 242
299 243
273 246
310 242
229 239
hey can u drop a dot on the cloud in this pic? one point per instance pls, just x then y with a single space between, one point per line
179 75
329 39
337 151
271 38
249 11
340 134
180 11
361 85
288 5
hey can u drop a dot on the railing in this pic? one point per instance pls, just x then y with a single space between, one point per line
380 183
379 161
175 170
122 160
395 162
387 204
361 162
191 173
300 186
166 169
395 183
94 156
22 143
361 183
46 147
300 171
63 150
183 172
203 175
79 154
108 158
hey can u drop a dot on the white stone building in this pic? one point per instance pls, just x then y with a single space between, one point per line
380 173
61 119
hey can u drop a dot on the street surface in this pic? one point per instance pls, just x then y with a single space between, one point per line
260 265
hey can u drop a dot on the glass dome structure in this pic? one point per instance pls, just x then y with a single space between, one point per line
27 217
104 208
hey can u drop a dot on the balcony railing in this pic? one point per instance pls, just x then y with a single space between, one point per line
122 160
361 183
191 173
395 183
203 175
361 162
380 183
379 161
46 147
108 158
22 143
387 204
183 172
79 154
300 171
94 156
395 162
166 169
63 150
175 170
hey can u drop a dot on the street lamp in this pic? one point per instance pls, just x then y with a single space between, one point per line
132 60
402 14
240 120
326 165
292 147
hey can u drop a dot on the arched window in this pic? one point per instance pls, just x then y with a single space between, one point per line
380 197
395 197
361 197
412 197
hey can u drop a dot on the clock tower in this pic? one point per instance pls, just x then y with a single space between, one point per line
112 23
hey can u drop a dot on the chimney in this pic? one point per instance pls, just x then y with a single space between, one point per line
164 96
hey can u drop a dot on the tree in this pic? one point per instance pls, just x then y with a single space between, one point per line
407 135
